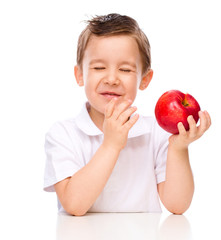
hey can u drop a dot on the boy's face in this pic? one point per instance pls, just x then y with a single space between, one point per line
111 67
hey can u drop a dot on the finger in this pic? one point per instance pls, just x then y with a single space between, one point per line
125 116
110 108
205 121
129 124
208 118
121 108
181 129
192 125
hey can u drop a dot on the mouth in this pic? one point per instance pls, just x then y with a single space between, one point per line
110 95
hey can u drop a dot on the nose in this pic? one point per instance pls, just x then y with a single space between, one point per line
111 77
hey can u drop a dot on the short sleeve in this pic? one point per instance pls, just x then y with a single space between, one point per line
161 149
62 160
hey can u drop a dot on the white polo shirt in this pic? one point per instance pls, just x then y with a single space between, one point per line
132 186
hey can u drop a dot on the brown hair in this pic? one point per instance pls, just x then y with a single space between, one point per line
115 24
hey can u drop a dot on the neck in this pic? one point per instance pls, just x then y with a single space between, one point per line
97 117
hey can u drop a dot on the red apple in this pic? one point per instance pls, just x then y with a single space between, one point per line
174 107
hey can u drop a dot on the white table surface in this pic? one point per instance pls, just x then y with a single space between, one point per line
138 226
47 224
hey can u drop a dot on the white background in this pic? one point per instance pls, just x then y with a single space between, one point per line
37 88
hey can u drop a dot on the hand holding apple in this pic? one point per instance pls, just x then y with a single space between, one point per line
174 107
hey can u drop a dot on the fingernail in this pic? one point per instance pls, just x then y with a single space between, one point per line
114 98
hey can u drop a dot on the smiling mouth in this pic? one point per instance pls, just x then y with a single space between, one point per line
110 94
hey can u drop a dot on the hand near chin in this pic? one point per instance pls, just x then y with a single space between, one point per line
117 123
184 138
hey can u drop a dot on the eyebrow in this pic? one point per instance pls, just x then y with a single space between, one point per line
96 61
130 63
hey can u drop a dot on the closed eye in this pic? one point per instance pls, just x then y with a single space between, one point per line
125 70
99 68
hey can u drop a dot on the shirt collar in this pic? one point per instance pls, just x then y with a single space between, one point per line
85 123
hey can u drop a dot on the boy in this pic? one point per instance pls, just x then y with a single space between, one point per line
109 159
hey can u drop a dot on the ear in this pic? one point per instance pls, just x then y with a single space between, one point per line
146 79
79 75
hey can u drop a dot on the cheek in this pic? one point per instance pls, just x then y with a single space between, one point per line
132 89
133 94
87 82
88 90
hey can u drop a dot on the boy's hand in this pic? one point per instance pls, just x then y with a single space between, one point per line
117 123
184 138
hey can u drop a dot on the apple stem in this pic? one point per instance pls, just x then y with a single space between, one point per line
185 103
